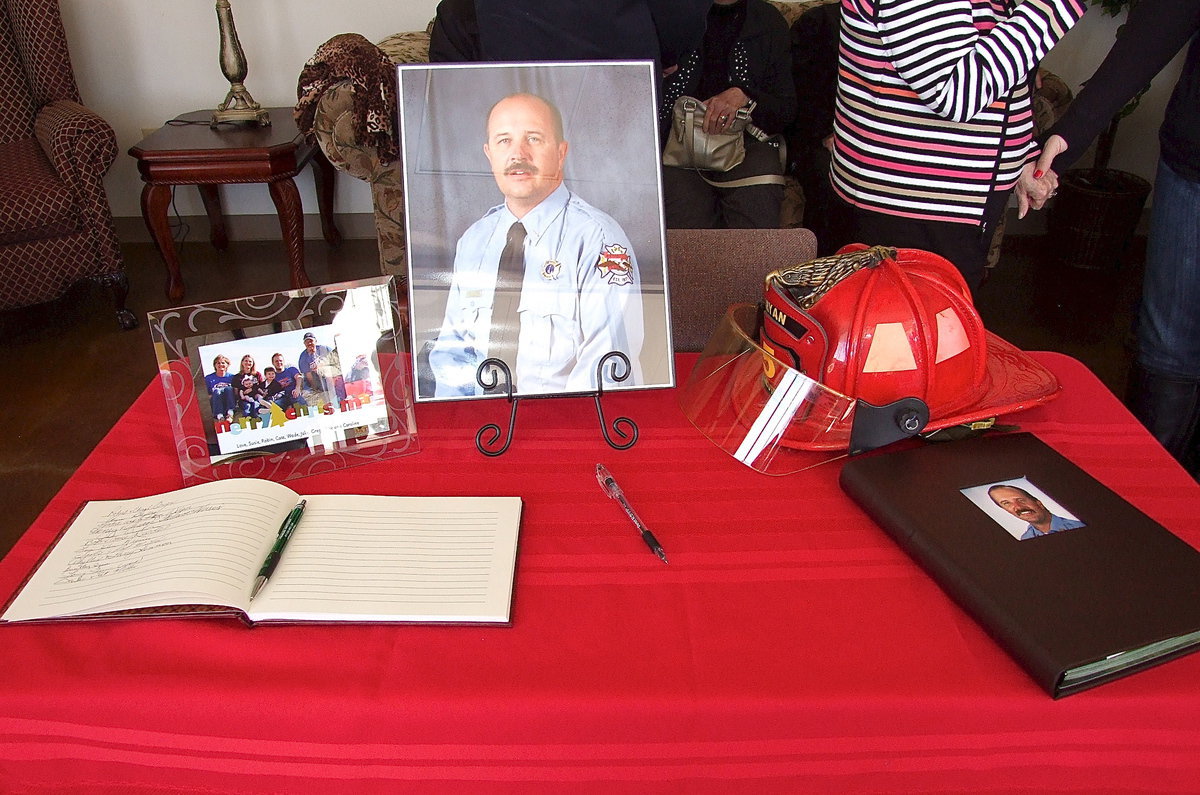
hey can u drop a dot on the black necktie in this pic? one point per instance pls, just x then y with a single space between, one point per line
506 323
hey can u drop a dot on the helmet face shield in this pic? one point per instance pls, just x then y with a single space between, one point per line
762 412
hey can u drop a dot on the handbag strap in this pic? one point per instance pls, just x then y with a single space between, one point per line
691 105
745 182
687 131
757 132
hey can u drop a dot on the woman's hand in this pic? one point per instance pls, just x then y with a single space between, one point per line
1033 192
721 109
1038 182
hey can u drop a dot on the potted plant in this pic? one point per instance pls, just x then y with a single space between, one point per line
1097 209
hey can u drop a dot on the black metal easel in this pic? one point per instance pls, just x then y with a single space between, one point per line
488 438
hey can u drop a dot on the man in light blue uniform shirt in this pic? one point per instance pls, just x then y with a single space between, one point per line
580 296
1024 505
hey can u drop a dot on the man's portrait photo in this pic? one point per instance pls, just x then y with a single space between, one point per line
534 227
1022 509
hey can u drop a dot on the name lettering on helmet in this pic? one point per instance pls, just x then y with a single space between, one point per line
789 323
777 314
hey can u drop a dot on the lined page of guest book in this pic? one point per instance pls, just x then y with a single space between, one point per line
369 558
351 557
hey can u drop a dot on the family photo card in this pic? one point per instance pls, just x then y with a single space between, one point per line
535 230
278 385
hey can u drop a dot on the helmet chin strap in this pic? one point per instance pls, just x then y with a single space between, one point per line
876 426
967 430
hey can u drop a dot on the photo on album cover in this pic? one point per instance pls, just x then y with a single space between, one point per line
534 228
285 384
1024 510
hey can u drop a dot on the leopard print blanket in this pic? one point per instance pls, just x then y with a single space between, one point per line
349 56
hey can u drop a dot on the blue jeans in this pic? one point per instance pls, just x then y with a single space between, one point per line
1168 330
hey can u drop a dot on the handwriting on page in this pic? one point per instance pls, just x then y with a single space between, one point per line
194 545
122 540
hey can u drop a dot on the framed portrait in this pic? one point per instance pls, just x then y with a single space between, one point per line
285 384
535 228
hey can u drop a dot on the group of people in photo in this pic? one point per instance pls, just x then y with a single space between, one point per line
316 379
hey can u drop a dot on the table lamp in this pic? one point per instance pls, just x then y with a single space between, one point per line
238 106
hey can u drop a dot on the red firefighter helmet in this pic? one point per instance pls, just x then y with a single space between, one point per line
842 336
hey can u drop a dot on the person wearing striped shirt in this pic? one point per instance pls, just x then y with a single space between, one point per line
933 124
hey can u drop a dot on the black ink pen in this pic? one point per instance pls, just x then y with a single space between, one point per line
285 532
609 484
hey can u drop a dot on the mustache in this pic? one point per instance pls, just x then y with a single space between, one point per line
521 165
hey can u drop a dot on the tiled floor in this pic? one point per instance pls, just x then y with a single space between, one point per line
73 372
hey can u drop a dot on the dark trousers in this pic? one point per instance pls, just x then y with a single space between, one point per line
690 202
965 245
811 168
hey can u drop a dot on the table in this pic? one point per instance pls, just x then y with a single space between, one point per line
189 151
790 646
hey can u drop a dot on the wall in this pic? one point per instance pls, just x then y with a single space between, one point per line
142 62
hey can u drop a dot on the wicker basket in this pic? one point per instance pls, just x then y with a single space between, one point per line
1094 215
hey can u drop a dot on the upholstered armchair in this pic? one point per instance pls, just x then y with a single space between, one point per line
56 226
334 113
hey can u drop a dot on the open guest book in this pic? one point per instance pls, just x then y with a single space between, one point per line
350 558
1079 586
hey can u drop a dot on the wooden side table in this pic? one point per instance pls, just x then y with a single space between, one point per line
188 151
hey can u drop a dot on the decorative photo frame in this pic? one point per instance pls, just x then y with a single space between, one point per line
286 384
591 291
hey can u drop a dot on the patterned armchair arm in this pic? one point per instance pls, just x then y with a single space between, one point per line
347 101
1050 101
366 85
339 136
82 146
794 9
347 98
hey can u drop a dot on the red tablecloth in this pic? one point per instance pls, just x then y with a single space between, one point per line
789 646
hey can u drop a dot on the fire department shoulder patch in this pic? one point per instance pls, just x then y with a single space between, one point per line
615 265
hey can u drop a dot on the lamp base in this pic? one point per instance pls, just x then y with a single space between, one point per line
239 106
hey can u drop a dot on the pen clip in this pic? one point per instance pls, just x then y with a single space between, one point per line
607 482
293 518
